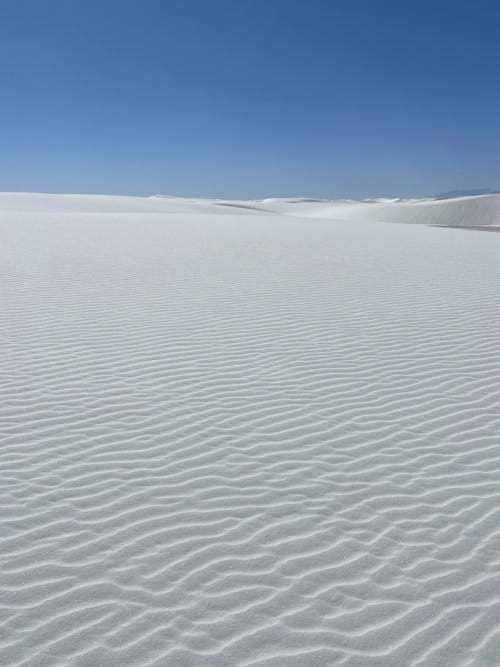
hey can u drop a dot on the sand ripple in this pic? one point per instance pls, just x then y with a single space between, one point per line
248 440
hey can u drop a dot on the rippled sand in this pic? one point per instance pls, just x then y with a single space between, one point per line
234 437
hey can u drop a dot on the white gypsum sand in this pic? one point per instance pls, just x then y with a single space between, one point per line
249 433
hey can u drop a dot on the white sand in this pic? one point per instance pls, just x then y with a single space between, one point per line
241 433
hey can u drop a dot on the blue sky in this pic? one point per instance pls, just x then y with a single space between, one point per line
250 98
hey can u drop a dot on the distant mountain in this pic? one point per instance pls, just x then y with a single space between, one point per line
467 193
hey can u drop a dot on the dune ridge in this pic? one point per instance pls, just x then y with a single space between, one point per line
247 438
479 211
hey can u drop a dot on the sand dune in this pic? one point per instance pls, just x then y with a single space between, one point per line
478 211
235 437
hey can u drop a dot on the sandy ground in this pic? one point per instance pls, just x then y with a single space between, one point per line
236 435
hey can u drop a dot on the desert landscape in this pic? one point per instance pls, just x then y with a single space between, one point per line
245 433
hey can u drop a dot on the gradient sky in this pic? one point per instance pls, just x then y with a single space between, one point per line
250 98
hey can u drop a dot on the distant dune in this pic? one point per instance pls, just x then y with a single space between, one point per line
249 433
471 211
467 193
481 211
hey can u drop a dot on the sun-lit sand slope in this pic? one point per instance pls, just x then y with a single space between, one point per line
478 211
235 437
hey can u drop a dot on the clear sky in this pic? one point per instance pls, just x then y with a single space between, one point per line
250 98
